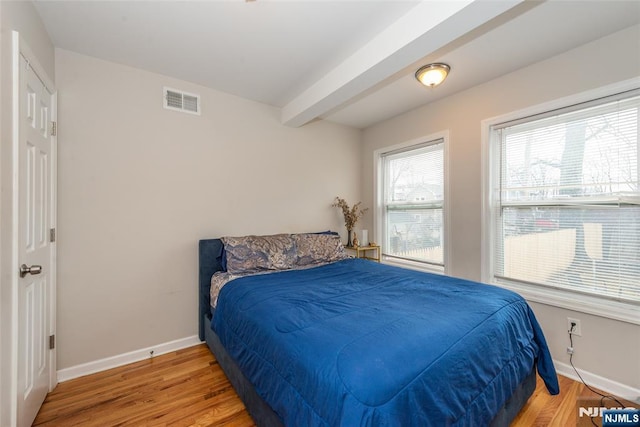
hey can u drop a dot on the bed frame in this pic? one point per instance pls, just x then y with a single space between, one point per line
210 261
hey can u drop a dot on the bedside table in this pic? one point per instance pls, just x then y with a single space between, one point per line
365 252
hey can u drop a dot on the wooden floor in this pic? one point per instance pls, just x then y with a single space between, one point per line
188 388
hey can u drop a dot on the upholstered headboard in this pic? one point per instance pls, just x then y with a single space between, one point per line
209 261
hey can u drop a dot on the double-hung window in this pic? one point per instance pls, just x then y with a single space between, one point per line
412 207
565 201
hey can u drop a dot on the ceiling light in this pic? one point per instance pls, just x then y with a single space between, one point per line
433 74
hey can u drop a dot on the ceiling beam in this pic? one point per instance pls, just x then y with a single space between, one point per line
426 28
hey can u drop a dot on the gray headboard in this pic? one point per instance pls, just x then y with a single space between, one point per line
209 261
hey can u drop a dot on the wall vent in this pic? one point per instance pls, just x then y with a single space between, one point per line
178 100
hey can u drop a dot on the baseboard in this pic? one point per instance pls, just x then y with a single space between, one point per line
596 381
123 359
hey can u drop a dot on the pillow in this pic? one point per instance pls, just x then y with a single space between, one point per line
253 254
316 248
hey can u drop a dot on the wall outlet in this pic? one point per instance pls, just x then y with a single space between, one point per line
577 330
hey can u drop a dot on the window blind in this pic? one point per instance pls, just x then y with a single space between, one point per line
413 203
568 214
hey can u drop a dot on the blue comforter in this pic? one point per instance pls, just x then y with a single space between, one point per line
357 343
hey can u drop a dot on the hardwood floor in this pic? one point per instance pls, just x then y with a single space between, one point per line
188 388
182 388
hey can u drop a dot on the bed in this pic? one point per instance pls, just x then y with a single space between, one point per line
354 342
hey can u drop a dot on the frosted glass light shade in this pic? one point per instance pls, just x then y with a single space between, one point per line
433 74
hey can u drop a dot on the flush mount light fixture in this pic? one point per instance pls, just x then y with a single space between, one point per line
433 74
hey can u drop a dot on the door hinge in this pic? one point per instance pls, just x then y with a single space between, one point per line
52 342
52 235
54 128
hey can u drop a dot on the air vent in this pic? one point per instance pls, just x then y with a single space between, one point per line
181 101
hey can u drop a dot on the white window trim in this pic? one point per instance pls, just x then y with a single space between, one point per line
615 310
378 202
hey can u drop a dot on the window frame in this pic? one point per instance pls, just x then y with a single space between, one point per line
379 213
616 310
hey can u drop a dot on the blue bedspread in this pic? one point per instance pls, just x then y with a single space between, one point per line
357 343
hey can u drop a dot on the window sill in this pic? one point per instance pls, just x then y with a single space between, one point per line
615 310
412 265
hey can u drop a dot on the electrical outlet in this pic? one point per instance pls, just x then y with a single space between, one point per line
577 330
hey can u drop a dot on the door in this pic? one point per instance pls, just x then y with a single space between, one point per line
36 255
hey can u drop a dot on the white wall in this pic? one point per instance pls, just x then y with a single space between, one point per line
607 348
20 16
139 185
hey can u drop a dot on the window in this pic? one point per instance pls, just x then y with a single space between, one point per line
413 191
565 200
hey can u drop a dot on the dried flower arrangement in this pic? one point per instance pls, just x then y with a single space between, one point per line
351 215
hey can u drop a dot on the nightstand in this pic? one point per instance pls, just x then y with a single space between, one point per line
365 252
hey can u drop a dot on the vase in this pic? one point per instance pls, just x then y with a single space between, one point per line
349 241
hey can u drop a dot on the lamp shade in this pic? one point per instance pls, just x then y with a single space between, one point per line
433 74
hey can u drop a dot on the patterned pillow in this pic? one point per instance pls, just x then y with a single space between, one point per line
318 249
253 254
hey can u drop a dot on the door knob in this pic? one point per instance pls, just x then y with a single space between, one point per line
34 269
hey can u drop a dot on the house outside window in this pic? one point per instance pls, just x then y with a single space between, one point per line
411 203
565 200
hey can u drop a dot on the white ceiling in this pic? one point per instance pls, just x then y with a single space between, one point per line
349 61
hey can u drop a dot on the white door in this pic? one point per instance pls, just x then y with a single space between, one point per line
36 255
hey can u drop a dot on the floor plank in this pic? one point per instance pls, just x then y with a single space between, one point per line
188 388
